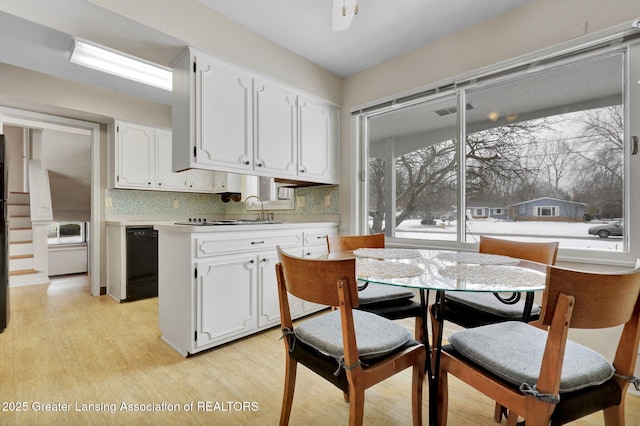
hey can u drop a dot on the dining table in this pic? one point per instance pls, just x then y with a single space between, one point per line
444 271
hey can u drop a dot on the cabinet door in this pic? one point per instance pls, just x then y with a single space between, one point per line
135 156
275 126
227 182
318 147
166 178
223 116
225 298
268 303
200 180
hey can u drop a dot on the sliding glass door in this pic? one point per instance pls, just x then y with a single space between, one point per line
538 153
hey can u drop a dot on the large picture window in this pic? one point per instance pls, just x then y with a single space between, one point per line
543 157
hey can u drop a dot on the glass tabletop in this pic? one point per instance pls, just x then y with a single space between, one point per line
447 270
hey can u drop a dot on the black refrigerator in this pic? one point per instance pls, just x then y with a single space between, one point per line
4 237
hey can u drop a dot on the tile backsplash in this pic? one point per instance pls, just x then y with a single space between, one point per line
127 202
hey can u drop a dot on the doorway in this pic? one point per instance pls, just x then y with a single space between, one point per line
31 120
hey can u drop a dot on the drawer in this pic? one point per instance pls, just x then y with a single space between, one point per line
317 237
242 242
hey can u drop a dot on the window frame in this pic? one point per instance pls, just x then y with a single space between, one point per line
554 210
82 236
630 50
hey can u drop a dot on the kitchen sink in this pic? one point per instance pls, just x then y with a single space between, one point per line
230 222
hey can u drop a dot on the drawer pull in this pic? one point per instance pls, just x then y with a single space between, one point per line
257 242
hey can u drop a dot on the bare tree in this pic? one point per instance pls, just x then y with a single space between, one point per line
601 167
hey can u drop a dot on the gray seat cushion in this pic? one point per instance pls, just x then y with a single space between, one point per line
375 336
487 302
513 351
376 293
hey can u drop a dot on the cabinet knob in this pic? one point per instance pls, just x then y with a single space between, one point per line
259 164
159 183
246 163
302 170
251 261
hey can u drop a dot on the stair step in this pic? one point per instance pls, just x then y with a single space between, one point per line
21 263
19 248
22 272
18 210
21 234
19 198
27 277
21 256
19 221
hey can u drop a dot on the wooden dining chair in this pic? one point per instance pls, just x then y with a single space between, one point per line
387 301
469 309
535 371
351 349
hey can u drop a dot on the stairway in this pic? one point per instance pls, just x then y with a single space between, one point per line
21 253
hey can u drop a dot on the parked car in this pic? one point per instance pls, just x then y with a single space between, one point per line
604 231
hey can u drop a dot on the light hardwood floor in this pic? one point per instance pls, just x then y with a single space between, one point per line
70 350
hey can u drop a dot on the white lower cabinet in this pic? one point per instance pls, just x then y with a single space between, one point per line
226 289
268 303
215 287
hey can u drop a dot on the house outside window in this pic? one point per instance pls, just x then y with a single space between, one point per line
553 132
547 211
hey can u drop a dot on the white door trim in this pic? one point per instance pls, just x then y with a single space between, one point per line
23 118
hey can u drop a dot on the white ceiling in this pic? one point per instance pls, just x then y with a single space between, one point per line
382 29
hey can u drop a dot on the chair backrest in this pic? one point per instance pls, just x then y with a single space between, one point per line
353 242
601 300
315 280
536 252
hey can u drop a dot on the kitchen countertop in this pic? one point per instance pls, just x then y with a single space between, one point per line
172 227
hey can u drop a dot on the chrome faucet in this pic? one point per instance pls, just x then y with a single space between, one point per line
262 214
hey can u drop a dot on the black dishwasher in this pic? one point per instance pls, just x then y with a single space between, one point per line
142 263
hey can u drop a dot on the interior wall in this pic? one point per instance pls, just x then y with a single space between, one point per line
203 28
67 158
14 138
536 25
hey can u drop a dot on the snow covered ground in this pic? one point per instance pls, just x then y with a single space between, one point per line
570 234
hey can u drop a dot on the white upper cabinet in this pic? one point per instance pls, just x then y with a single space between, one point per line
166 178
223 115
140 157
227 182
318 147
212 115
275 124
134 156
230 120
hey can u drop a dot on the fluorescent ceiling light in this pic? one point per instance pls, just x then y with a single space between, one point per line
117 63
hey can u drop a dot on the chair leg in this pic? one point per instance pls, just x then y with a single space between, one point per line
614 416
416 394
443 398
289 387
418 329
512 418
498 412
356 407
537 416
